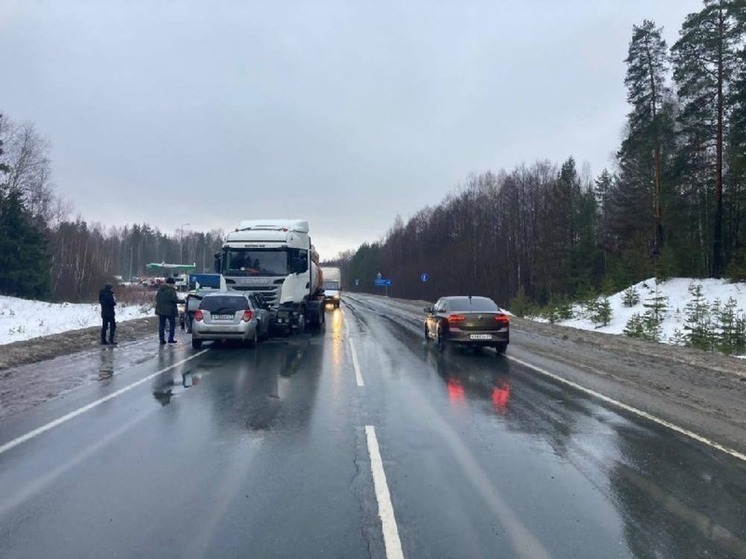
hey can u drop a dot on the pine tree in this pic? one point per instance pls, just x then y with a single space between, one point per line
24 259
731 335
641 327
705 63
601 312
698 327
647 92
520 305
657 307
630 297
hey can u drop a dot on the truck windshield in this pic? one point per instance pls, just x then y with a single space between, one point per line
255 262
331 284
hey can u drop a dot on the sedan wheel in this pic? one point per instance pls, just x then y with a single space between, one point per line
441 339
196 344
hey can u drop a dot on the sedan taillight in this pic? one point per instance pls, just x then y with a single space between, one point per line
456 319
502 319
247 315
198 316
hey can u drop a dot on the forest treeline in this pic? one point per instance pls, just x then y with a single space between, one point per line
674 203
46 254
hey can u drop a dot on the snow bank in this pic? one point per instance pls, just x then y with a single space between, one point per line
22 319
677 291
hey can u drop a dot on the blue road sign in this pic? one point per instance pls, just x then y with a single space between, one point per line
425 277
381 282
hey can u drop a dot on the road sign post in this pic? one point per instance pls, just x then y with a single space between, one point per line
382 282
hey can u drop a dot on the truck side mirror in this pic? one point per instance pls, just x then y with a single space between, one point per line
218 263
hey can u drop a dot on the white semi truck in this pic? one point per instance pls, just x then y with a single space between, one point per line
275 257
332 286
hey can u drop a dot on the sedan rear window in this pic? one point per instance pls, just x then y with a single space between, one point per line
475 304
224 303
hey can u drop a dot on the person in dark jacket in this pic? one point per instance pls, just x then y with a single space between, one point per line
107 301
165 307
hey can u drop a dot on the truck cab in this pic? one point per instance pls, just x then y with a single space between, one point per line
276 259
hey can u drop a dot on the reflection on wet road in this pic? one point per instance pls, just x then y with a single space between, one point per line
263 453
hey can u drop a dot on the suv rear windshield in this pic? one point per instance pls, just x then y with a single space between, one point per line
476 304
224 303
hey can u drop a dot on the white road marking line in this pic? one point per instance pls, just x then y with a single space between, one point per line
640 413
385 508
73 414
356 364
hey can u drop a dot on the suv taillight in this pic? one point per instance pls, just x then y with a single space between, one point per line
247 315
198 315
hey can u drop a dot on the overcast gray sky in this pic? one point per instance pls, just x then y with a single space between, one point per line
343 112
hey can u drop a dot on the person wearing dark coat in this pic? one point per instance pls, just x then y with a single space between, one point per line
166 309
107 301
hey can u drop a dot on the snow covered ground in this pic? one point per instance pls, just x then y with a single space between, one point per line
677 292
22 319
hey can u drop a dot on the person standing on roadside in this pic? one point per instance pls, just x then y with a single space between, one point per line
166 309
107 301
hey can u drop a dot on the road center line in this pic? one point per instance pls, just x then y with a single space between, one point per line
73 414
355 363
385 508
640 413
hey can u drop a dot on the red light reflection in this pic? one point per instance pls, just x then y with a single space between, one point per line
455 390
500 396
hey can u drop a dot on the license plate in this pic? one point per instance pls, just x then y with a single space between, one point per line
222 317
480 337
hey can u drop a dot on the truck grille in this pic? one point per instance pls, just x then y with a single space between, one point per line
270 292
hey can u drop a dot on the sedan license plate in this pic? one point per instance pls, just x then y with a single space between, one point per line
480 337
222 317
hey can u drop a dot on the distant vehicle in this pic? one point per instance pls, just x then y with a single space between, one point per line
230 316
275 257
467 321
332 286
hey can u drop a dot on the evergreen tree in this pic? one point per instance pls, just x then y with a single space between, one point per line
601 312
731 335
657 306
520 305
24 258
642 155
705 65
698 327
630 297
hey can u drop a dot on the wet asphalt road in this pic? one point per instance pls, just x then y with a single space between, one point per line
264 453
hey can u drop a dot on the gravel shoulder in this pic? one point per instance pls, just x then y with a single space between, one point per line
56 345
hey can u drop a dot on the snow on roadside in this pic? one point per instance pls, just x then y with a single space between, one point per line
677 292
23 319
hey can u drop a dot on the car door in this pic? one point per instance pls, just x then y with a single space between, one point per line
432 318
